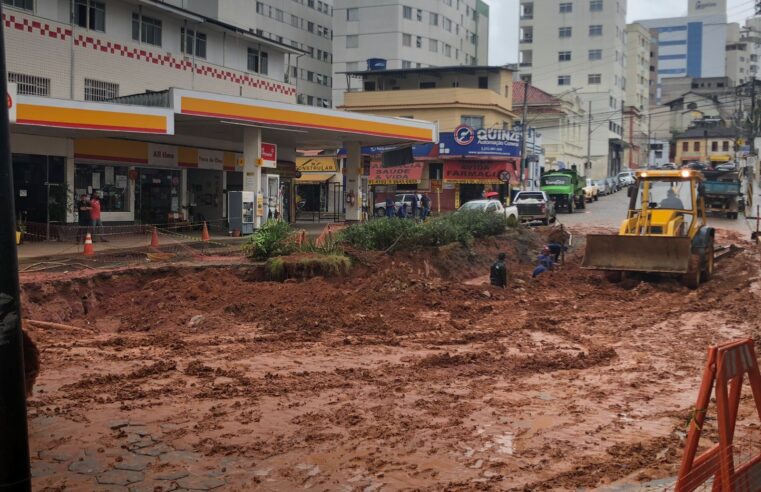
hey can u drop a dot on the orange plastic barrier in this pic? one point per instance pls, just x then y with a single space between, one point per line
89 250
727 365
205 233
155 238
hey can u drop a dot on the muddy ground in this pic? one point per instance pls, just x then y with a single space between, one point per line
410 374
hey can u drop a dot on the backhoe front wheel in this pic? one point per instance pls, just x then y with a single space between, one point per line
693 276
708 270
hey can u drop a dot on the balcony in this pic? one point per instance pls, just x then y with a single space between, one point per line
527 39
425 98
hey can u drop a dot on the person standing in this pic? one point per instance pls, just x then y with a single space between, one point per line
97 223
560 237
414 205
425 203
498 273
390 208
83 215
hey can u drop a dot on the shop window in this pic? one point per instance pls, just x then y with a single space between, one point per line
111 182
90 15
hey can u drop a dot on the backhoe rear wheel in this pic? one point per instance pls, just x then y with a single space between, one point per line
693 276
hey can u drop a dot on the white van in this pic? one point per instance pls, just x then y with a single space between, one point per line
626 178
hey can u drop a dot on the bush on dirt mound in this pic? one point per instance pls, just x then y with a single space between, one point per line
274 238
462 227
307 265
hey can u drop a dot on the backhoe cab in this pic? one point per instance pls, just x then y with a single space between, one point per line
664 232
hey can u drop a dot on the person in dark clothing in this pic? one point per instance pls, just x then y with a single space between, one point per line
540 269
83 215
545 259
390 208
414 206
402 212
556 250
425 203
498 274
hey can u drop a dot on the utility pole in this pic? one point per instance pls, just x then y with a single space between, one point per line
588 164
623 142
14 439
524 129
753 124
649 139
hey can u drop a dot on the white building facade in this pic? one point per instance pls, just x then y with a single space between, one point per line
694 45
403 34
580 46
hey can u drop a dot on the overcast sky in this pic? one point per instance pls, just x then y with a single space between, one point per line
503 39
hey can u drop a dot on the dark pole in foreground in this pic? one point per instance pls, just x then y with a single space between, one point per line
14 440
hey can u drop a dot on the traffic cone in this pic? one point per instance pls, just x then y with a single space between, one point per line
205 232
89 251
155 238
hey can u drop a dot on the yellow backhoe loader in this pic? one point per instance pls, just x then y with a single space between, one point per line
664 232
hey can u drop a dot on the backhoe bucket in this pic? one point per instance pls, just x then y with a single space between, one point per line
637 253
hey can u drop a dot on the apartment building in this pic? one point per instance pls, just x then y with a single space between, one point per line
579 46
693 45
405 34
302 24
638 42
743 50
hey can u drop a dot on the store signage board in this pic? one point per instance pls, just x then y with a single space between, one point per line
325 164
465 172
11 98
467 141
269 155
407 174
162 155
211 159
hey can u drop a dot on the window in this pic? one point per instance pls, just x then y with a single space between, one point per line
146 29
114 195
30 85
685 146
433 45
725 146
310 76
20 4
527 34
472 121
595 55
352 15
406 40
310 26
434 19
419 15
257 61
193 42
260 8
714 146
564 56
595 30
427 85
406 64
595 6
90 15
352 41
279 15
407 12
448 50
564 80
594 78
447 23
564 32
696 146
566 8
294 21
419 41
98 90
483 82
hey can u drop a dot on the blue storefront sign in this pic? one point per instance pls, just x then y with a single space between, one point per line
467 141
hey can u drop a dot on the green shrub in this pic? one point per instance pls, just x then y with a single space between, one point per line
275 268
274 238
378 234
330 246
480 224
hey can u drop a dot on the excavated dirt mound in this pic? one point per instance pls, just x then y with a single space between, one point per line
408 374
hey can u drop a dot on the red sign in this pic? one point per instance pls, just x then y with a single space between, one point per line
480 172
269 151
407 174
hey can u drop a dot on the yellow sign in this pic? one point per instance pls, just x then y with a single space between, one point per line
259 205
320 164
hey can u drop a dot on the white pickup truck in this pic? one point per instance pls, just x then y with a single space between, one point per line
535 205
493 206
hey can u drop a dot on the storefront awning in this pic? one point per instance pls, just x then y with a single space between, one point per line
314 178
407 174
721 158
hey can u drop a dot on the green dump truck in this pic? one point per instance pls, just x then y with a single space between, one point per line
722 192
565 188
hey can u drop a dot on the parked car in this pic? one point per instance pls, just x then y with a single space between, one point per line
626 178
603 187
613 184
535 205
380 207
494 206
591 192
